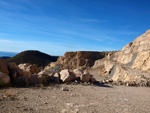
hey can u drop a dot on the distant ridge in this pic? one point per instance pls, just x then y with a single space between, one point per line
4 57
7 54
33 57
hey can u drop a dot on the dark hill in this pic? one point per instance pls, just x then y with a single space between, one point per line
33 57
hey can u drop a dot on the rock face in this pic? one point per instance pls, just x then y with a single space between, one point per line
131 63
142 61
136 54
76 60
66 76
4 79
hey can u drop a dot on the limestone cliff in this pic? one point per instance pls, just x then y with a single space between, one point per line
131 63
136 54
79 59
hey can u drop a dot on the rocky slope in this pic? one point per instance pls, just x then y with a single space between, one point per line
136 54
79 59
129 66
131 63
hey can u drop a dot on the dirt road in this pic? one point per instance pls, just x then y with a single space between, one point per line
75 99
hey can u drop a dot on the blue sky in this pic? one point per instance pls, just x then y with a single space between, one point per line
57 26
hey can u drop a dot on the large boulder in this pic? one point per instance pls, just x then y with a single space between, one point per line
85 77
19 72
77 72
3 66
16 73
20 78
12 66
56 78
103 67
34 80
13 75
21 81
23 66
66 76
26 73
4 79
32 68
47 77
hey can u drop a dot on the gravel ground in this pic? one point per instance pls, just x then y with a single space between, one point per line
75 99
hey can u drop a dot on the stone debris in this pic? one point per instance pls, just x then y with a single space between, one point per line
64 89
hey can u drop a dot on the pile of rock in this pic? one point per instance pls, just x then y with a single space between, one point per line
28 74
11 74
137 83
65 76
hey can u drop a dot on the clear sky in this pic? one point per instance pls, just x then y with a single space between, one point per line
57 26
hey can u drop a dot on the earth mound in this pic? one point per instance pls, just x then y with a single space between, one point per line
33 57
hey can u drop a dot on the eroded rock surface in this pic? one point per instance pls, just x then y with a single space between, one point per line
130 64
76 60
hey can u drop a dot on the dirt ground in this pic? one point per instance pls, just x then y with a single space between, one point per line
75 99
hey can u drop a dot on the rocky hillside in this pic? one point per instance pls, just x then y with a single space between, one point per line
136 53
130 64
33 57
79 59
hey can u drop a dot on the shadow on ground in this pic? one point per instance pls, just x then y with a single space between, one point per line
102 85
